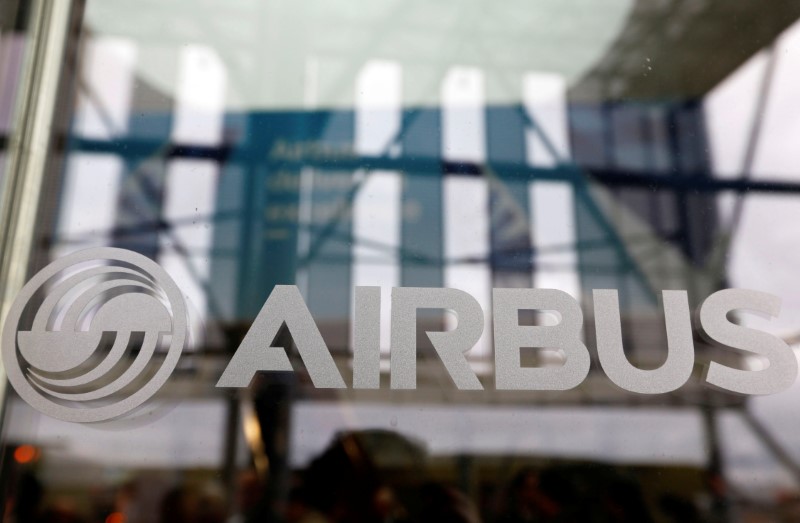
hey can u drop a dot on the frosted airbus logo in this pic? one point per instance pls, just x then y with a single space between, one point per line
285 306
94 335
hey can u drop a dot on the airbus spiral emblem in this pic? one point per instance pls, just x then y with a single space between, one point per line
94 335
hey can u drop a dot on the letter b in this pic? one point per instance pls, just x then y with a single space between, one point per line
510 337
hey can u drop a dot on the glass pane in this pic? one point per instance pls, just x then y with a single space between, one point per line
294 154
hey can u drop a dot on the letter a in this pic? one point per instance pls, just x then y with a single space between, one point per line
284 305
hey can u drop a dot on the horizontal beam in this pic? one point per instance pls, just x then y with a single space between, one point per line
682 181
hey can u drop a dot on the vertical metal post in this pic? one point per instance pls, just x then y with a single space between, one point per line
233 421
29 146
715 478
28 154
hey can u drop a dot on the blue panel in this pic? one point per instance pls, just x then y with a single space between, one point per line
328 261
422 229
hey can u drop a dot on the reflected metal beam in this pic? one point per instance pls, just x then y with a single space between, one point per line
772 444
675 180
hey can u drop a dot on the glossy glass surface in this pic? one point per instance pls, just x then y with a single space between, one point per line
567 144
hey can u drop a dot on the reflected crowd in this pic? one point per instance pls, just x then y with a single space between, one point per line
372 476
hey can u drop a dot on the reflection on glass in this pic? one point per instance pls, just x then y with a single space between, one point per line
570 145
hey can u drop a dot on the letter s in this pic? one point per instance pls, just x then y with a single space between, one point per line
781 370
